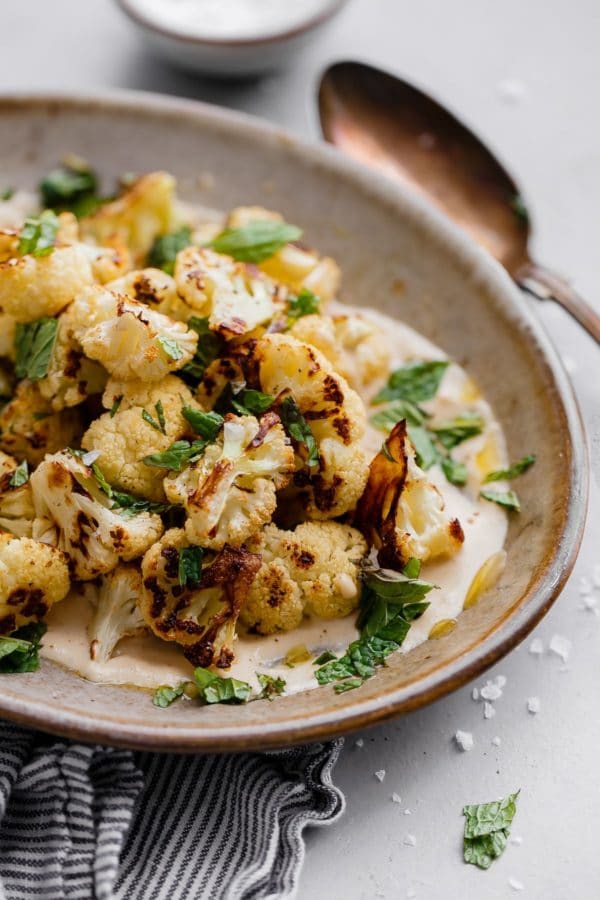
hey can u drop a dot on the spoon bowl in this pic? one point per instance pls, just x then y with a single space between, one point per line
390 125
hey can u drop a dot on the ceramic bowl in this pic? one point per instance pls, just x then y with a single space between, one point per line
400 256
227 58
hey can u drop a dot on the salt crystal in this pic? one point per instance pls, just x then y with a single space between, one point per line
475 694
496 741
410 894
396 798
590 602
511 90
464 740
517 840
488 711
359 742
561 646
533 705
516 885
380 774
407 812
585 585
596 574
500 680
536 647
491 691
410 840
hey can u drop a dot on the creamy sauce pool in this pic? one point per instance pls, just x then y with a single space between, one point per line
149 662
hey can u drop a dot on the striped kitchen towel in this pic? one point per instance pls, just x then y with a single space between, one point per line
83 822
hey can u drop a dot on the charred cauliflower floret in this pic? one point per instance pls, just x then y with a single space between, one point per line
16 503
73 513
124 436
129 339
235 296
335 414
230 491
355 347
200 616
314 570
32 287
137 217
116 615
110 262
154 288
401 512
33 577
8 326
294 266
29 428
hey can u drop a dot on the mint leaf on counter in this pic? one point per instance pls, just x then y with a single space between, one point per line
487 828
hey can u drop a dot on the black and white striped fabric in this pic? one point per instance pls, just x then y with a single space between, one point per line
83 822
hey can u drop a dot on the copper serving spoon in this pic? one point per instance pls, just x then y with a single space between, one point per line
391 126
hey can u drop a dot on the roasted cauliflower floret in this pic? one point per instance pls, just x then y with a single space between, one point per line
335 414
116 615
29 428
110 262
33 577
16 503
314 570
132 341
200 616
8 326
73 513
32 287
294 266
401 512
156 289
235 296
124 437
137 217
230 492
355 347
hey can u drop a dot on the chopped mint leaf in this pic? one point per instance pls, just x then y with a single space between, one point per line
6 194
114 408
455 472
206 424
176 456
412 569
214 689
325 657
256 241
170 347
513 470
165 248
349 685
38 234
298 429
165 695
487 828
386 418
251 402
271 687
459 429
70 187
415 382
20 476
427 455
509 499
128 505
159 423
305 304
210 345
34 344
190 566
20 652
103 483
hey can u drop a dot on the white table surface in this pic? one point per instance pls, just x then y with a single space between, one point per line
464 52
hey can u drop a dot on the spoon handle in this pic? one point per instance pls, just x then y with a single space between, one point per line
546 285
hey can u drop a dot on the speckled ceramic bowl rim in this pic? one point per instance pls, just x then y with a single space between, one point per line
146 21
526 611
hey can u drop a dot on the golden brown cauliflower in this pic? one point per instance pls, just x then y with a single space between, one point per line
74 514
230 491
8 326
156 289
16 502
33 577
29 428
401 512
314 570
124 438
200 616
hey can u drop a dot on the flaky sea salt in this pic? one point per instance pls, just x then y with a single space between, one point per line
500 680
359 742
396 798
491 691
590 602
516 885
533 705
407 812
517 840
475 694
561 646
380 774
464 740
496 741
488 711
410 840
511 90
585 585
536 647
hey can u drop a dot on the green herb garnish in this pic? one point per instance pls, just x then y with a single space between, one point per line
459 429
159 423
70 188
325 657
6 194
165 248
305 304
38 234
190 566
20 652
176 456
426 452
513 471
298 429
487 828
455 472
415 382
386 418
170 347
214 689
271 687
128 505
256 241
249 402
20 476
509 499
165 695
210 345
114 408
206 424
34 344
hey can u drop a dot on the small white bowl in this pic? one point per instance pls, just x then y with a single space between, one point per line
227 57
